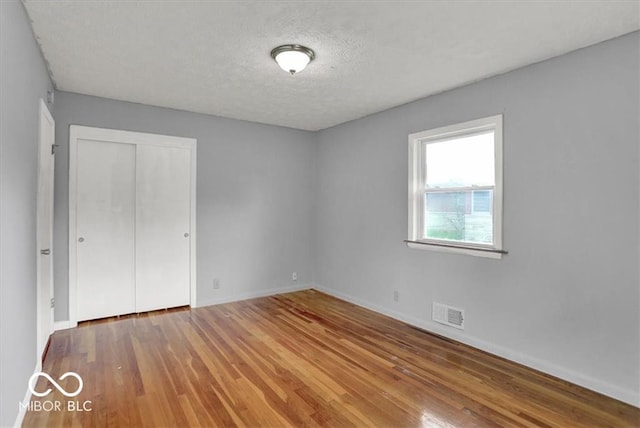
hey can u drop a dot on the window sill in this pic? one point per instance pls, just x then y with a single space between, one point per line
456 250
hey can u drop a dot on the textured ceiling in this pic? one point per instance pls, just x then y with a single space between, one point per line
213 57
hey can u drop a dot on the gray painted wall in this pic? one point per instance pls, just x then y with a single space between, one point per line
254 195
332 206
23 81
566 298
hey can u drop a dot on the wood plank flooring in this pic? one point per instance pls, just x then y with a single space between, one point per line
299 359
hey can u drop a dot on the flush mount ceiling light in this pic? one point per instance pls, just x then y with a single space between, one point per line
292 58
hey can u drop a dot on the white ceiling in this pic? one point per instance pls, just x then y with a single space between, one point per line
213 57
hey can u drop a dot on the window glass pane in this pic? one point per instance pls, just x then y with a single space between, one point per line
482 202
450 216
461 162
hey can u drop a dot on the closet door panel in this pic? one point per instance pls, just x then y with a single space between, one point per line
163 203
105 221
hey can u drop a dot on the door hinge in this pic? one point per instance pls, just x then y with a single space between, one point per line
53 302
53 148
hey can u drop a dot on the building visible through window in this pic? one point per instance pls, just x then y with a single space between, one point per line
455 185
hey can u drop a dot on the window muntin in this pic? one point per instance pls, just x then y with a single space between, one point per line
455 185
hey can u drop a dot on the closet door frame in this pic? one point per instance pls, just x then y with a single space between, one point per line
77 132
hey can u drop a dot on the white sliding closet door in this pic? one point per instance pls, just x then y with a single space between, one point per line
105 228
163 233
131 222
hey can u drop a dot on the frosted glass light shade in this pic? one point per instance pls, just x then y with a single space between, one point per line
292 61
292 58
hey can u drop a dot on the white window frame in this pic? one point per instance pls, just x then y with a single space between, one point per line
416 186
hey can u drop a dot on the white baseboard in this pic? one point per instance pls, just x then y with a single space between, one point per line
627 396
22 409
253 294
62 325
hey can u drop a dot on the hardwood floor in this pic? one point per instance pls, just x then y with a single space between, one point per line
299 359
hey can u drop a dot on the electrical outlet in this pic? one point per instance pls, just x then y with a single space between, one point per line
396 295
294 276
216 283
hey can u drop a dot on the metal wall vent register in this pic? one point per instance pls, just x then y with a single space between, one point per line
448 315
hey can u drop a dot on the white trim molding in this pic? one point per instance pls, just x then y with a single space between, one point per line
63 325
44 225
254 294
627 396
22 406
